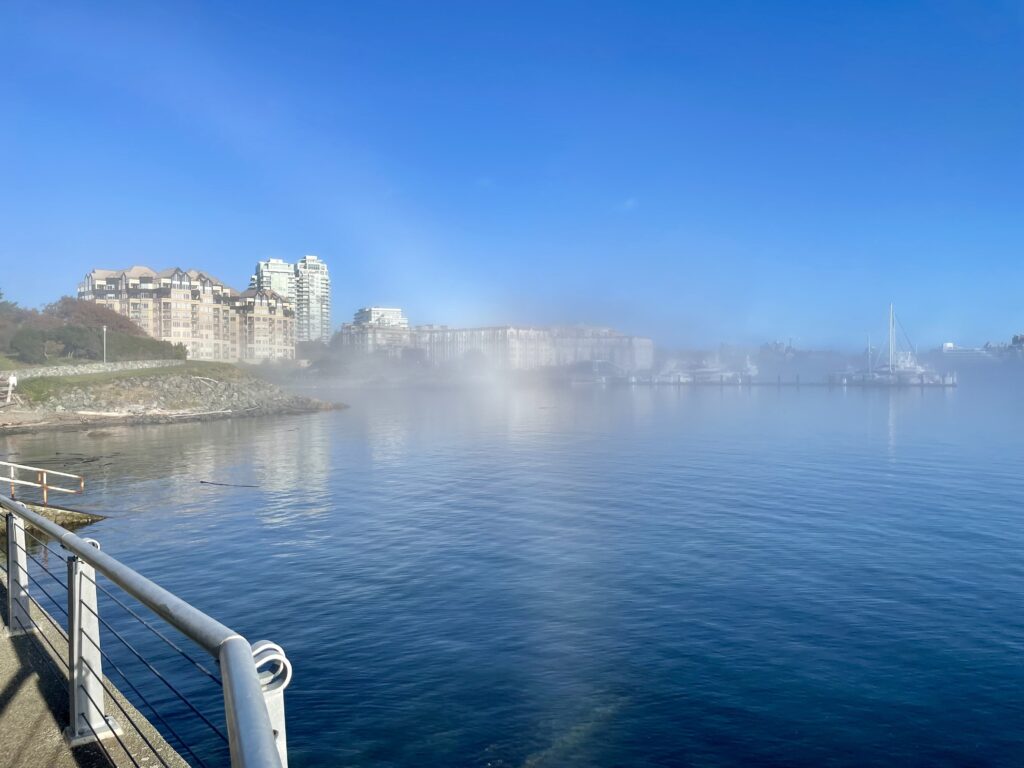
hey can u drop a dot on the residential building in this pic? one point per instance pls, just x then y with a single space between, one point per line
377 330
266 325
382 317
306 286
312 300
385 331
197 310
275 275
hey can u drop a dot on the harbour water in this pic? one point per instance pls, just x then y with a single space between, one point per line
497 577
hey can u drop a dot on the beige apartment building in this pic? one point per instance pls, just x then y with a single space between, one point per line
190 307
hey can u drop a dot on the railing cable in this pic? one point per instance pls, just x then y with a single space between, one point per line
103 653
157 632
49 618
45 592
112 697
42 635
121 603
102 746
98 739
145 701
44 545
159 675
51 573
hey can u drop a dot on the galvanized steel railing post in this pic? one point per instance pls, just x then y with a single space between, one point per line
253 701
19 620
275 672
251 735
85 665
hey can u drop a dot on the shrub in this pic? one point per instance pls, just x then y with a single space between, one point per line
29 344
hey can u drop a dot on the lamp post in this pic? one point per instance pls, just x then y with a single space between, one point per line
104 344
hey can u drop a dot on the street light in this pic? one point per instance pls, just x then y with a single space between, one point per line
104 344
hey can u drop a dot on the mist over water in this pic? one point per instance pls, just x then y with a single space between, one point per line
543 576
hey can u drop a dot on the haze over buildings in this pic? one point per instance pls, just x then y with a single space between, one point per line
386 331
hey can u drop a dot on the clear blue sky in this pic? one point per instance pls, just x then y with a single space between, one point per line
692 171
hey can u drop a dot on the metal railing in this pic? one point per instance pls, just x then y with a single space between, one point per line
14 475
253 677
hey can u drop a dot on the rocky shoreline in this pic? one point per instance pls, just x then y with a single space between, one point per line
166 396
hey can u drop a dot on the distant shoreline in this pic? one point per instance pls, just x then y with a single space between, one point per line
54 421
192 392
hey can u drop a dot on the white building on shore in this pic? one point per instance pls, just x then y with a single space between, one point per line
386 331
381 317
306 285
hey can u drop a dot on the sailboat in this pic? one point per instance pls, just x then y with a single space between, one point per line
899 367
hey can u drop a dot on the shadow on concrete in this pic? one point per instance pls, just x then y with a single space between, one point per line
34 702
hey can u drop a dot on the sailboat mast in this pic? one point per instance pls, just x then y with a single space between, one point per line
892 339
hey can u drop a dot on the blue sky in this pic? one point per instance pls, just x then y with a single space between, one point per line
694 172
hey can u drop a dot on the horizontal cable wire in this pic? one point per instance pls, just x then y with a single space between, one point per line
106 656
157 672
128 717
98 739
109 693
127 608
146 701
44 590
49 618
130 647
42 635
157 632
52 574
102 746
44 545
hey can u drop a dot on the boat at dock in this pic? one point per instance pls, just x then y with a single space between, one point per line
896 365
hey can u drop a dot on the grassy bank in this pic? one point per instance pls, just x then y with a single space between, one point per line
47 387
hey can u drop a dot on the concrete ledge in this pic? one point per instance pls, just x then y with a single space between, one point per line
34 708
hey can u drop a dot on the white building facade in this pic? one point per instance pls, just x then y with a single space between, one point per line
306 286
385 331
381 317
312 300
275 275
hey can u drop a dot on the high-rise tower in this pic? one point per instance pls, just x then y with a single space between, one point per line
275 275
312 300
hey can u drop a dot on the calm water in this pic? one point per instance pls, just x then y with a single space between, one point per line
602 577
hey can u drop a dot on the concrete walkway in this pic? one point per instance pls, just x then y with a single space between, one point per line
34 708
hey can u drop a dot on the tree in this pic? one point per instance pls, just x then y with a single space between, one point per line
88 314
29 344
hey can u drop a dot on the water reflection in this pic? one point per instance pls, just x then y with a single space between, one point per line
602 576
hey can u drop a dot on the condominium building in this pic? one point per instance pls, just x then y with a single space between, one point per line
312 300
377 330
275 275
266 325
386 331
192 308
307 286
381 317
